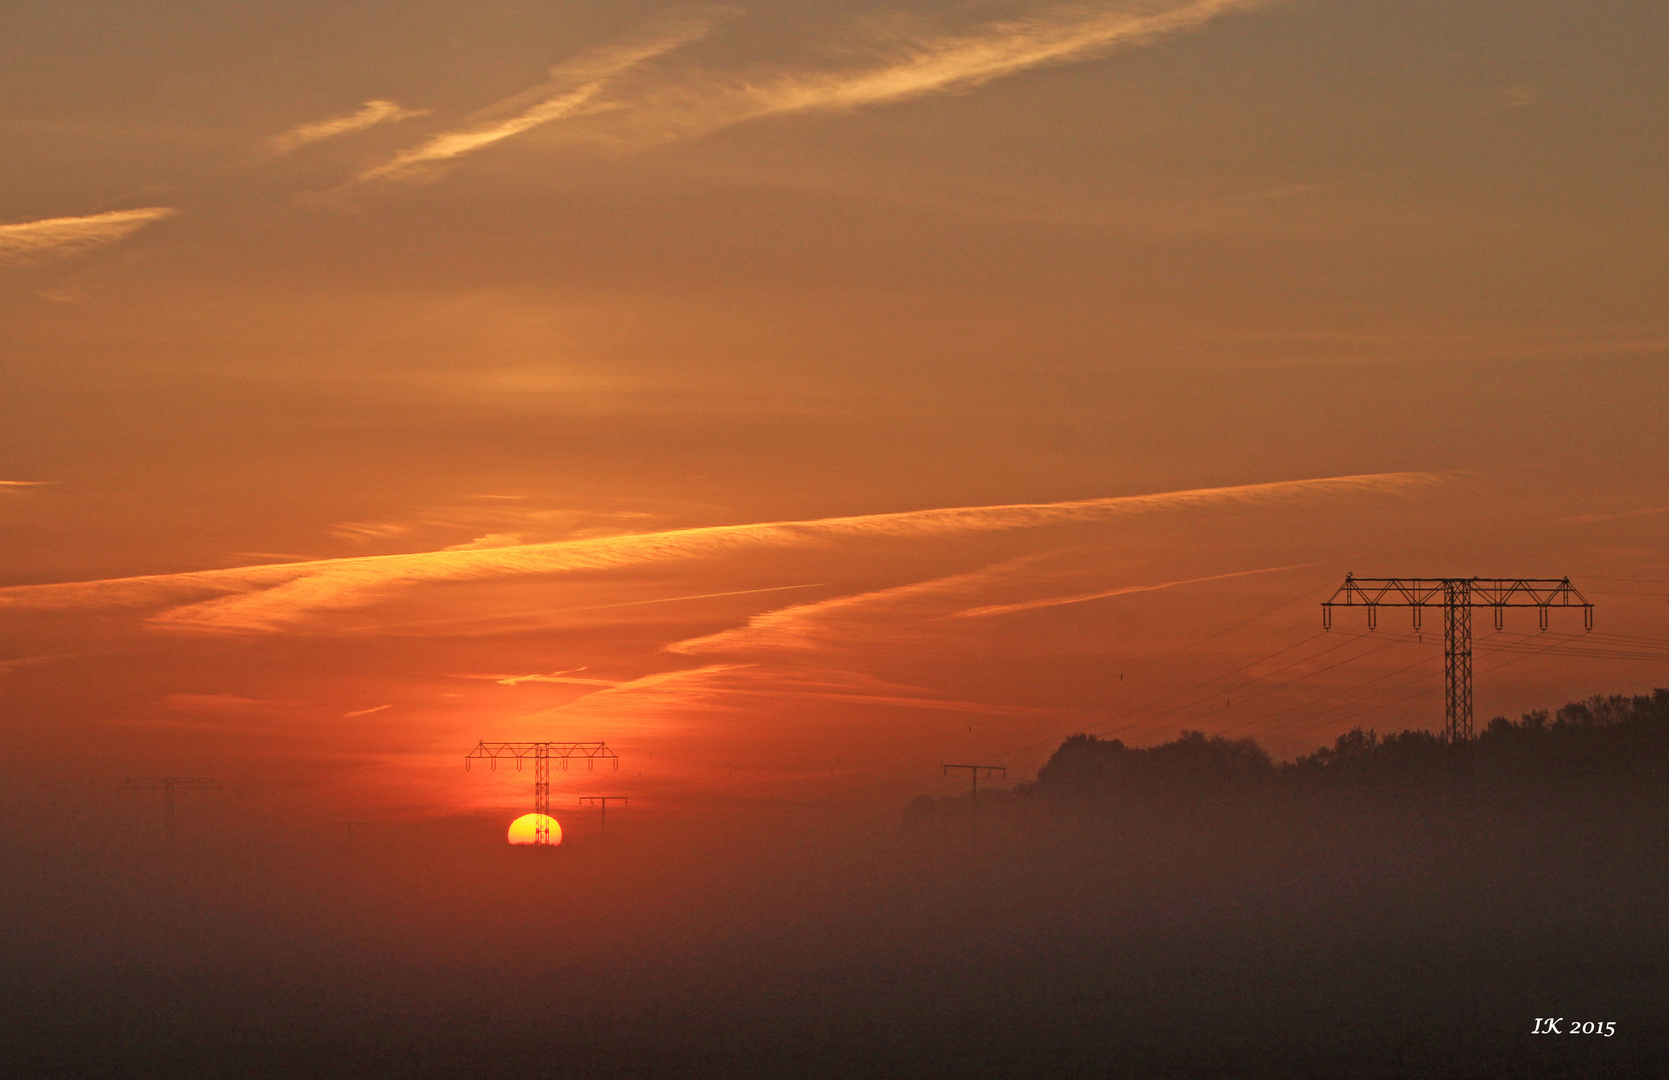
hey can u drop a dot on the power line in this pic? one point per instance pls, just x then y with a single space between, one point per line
1330 719
1217 678
1388 690
1290 682
1345 690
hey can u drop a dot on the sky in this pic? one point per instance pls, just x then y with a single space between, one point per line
801 398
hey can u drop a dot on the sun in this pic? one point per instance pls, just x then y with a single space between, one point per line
523 829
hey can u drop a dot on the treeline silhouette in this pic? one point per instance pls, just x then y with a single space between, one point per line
1607 744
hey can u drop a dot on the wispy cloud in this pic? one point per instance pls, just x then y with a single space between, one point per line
365 712
907 64
554 677
367 532
567 676
368 115
7 666
1079 598
809 626
726 680
574 88
1621 515
66 237
894 62
272 597
545 614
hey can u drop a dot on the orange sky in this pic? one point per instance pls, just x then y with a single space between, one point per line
799 398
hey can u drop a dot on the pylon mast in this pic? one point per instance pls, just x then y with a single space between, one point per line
541 753
1457 597
1457 659
168 785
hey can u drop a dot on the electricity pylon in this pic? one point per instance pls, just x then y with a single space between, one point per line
541 753
168 785
1457 597
974 771
602 801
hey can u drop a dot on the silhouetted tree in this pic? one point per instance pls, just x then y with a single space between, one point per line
1086 765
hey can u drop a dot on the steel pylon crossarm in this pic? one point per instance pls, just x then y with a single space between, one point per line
1418 593
494 752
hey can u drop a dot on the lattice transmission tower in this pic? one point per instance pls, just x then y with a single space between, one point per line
541 753
1457 597
168 785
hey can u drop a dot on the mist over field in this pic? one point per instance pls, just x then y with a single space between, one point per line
1368 913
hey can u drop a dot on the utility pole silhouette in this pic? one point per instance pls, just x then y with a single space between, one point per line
168 785
1457 597
602 801
973 773
541 753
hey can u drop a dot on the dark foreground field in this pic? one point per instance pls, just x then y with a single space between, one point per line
1332 924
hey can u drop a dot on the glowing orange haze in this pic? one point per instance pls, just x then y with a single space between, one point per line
798 418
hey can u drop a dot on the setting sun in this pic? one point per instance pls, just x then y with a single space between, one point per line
525 829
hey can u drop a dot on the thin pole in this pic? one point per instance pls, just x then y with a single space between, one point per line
603 801
975 770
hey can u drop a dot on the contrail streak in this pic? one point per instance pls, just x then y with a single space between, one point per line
558 611
1056 601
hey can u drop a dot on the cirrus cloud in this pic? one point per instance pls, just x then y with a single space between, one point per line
66 237
891 62
574 88
368 115
274 597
